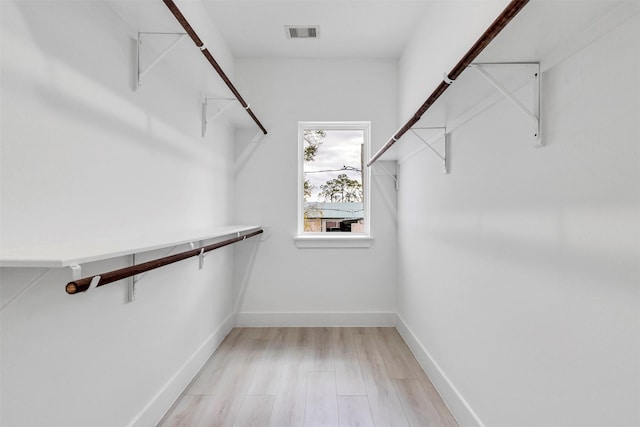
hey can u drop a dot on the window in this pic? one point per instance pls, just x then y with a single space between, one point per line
333 186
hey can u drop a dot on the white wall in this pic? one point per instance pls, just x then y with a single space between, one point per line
444 35
519 272
285 279
84 158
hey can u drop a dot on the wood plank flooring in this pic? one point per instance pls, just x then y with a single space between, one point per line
307 377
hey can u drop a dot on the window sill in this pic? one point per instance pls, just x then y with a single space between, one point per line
307 241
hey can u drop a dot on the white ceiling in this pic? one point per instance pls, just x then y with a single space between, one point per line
545 31
348 28
361 28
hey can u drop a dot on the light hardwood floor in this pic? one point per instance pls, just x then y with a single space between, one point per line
282 377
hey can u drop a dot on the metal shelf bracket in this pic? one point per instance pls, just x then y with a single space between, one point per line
76 272
142 72
27 287
445 156
201 259
133 280
394 177
205 111
532 112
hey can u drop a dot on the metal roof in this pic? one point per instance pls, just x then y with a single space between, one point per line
344 210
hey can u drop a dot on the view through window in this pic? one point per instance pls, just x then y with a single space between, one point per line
333 183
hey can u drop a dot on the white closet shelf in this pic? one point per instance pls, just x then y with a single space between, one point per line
469 96
76 253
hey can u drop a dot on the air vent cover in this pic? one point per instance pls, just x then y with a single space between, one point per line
302 32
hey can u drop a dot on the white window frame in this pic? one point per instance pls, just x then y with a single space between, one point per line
339 240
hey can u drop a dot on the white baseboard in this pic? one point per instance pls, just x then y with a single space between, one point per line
459 407
153 412
315 319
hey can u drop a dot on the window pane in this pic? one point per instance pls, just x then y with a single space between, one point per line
333 183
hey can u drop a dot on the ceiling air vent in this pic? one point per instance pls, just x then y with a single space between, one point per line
302 32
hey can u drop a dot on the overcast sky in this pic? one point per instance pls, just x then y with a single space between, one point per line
339 148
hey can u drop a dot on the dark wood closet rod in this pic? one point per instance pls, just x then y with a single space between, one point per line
187 27
82 285
494 29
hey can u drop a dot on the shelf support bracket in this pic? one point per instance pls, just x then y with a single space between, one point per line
142 72
76 272
394 177
444 156
133 280
201 259
205 111
532 113
29 285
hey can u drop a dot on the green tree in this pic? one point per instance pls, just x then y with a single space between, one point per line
308 187
312 140
341 189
